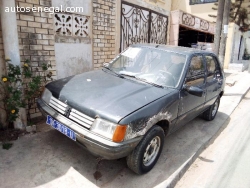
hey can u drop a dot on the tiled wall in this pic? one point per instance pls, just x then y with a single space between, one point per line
103 31
36 38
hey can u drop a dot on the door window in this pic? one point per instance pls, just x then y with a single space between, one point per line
196 72
213 70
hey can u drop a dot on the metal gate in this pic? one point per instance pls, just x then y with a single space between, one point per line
141 25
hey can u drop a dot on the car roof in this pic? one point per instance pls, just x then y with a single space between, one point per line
177 49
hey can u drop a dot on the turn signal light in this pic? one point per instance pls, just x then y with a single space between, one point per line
119 133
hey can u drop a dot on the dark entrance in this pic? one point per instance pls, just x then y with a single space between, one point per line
189 37
141 25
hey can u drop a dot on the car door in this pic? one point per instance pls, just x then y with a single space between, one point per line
214 79
190 105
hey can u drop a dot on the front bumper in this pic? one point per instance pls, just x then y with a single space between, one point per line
97 145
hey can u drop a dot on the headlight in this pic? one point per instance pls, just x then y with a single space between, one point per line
46 95
109 130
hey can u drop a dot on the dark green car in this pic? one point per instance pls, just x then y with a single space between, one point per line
129 106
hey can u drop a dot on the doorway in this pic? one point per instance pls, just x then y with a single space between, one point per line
189 37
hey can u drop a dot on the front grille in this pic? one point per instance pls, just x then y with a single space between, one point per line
74 115
81 118
58 105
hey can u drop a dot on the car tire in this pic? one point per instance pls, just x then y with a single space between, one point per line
145 155
211 112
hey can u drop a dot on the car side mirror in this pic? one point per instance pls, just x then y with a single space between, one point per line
194 90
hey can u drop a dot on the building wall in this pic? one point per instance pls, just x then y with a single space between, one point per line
180 18
2 72
174 28
73 49
161 6
237 45
248 41
104 31
199 10
230 45
2 64
36 38
235 48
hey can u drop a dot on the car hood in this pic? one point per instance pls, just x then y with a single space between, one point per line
103 94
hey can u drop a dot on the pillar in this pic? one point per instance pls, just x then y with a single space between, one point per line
11 46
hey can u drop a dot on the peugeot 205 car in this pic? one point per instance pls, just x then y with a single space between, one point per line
129 106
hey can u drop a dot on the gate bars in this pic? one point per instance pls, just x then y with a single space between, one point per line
141 25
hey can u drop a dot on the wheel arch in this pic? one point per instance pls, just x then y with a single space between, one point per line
221 93
164 124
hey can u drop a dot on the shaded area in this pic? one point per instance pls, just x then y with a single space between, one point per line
9 135
187 37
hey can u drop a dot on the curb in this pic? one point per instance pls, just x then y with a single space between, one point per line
177 175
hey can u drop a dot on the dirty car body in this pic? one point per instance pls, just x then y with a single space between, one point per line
125 109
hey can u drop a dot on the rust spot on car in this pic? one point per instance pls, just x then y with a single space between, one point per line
140 128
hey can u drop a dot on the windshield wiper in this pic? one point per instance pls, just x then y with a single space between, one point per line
143 80
151 83
127 74
114 72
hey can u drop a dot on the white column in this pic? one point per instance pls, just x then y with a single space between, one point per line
9 32
11 46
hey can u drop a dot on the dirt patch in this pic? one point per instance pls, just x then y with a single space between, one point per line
9 135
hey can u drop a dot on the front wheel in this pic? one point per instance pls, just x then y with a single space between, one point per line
145 155
211 112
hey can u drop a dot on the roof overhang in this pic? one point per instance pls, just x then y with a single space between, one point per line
193 22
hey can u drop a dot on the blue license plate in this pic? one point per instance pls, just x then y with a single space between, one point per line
60 127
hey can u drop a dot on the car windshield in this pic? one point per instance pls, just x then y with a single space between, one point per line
151 65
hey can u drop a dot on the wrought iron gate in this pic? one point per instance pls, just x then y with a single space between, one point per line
141 25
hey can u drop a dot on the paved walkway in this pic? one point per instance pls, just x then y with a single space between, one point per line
49 159
225 163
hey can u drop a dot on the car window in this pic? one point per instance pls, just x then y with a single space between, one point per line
157 66
211 66
196 72
213 70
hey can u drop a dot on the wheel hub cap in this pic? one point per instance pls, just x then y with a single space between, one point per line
215 108
151 151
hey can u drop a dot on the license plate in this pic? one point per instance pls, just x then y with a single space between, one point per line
61 128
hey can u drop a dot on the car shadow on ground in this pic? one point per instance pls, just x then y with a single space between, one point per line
49 158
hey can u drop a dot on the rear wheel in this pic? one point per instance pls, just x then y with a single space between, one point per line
211 112
145 155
